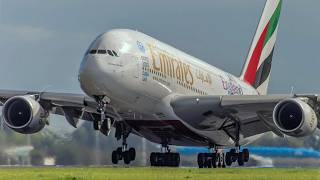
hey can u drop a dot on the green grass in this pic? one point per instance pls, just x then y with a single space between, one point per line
157 173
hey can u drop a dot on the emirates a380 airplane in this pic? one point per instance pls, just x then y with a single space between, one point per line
142 86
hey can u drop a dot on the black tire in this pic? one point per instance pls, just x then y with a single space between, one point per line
246 155
205 160
201 160
177 160
228 159
160 159
232 151
114 157
219 164
132 152
209 162
152 159
119 152
126 157
167 159
214 160
241 159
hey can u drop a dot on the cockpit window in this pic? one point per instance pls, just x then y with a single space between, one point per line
115 53
93 51
110 52
102 51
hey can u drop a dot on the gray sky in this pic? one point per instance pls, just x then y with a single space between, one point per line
42 42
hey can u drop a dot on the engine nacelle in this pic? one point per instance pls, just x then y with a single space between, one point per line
23 114
295 117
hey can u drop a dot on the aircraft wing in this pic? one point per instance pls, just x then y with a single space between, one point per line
215 112
72 106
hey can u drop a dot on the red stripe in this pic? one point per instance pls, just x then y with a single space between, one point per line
250 75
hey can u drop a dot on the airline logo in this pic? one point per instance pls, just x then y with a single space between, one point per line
170 66
141 47
231 86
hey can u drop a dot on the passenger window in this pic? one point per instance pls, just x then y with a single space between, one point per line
115 53
93 51
110 53
102 51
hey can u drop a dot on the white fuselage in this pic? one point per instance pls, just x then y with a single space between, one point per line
144 74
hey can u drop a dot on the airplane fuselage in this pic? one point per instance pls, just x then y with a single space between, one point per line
141 75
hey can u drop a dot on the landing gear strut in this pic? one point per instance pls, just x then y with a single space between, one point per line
103 123
236 154
166 158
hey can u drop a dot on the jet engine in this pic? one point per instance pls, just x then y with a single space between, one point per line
295 117
23 114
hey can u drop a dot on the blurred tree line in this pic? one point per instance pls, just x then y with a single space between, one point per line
84 146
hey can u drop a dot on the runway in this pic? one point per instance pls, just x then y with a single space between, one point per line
132 173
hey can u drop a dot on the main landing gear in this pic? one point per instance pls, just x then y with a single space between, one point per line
165 158
240 156
122 153
104 124
220 159
212 160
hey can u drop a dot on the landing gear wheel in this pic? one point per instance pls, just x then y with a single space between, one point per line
119 153
126 157
114 158
132 153
209 163
201 160
165 158
228 159
176 159
246 155
205 164
168 159
214 160
219 164
241 159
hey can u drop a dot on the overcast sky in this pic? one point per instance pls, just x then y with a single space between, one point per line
42 42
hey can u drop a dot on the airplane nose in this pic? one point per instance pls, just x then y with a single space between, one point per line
82 68
89 72
95 75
